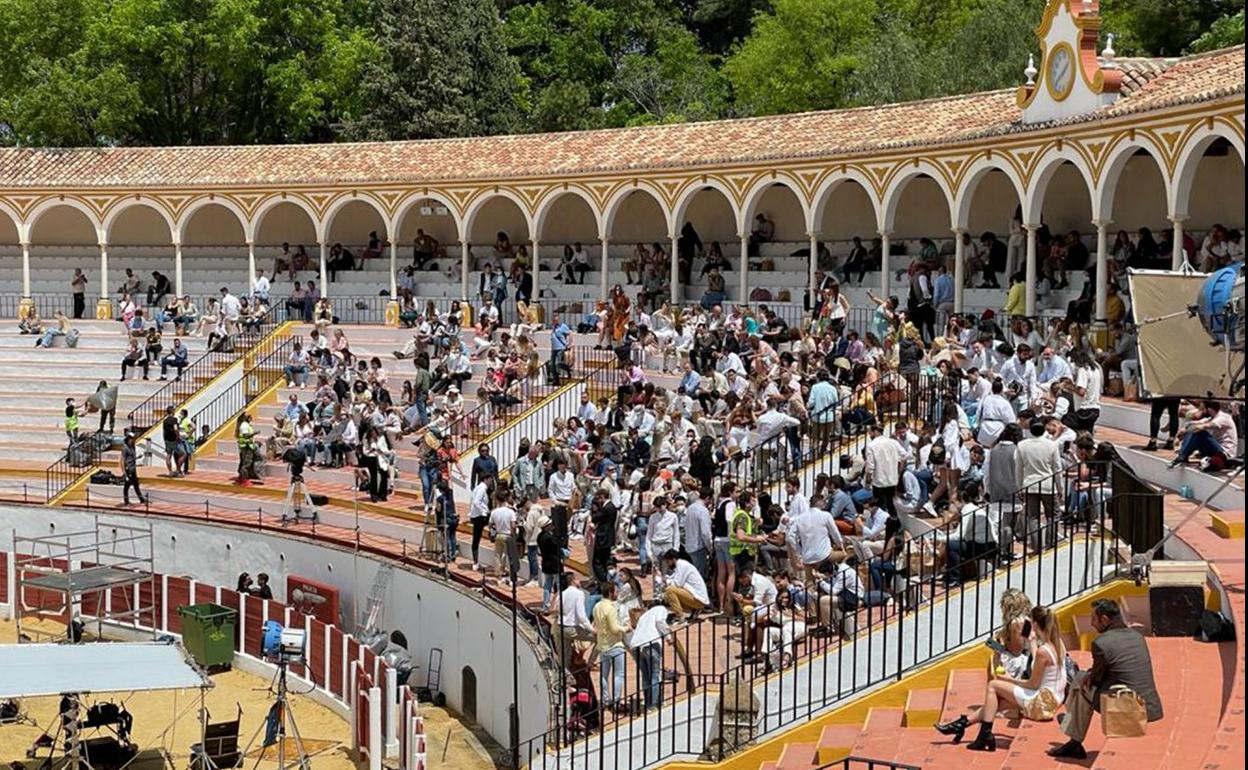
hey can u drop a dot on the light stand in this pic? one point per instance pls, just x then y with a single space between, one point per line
285 722
297 497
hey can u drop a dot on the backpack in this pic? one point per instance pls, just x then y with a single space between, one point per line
760 295
71 338
1215 627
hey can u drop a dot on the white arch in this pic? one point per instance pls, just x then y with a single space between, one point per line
1189 160
691 191
755 196
1046 167
972 176
14 217
268 204
48 204
474 208
548 202
824 192
617 199
405 206
1111 172
129 202
897 185
199 203
341 202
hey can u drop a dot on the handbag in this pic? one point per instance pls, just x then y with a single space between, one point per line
1123 713
1043 707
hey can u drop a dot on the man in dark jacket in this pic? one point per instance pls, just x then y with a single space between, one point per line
1119 657
603 515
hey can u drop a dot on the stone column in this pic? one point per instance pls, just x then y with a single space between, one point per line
1178 256
392 307
959 269
463 272
177 268
674 276
1102 269
536 268
324 269
104 308
251 264
812 267
886 266
743 294
604 273
24 305
1029 284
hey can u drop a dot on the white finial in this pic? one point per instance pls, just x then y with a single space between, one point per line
1031 70
1108 53
1087 6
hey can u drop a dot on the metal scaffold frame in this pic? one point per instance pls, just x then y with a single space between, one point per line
110 562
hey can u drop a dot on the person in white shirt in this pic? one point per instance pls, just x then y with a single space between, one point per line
811 536
479 515
755 594
261 290
993 414
1089 380
1019 371
870 526
883 462
684 590
646 643
230 310
663 532
1052 368
1037 461
559 488
503 523
574 624
587 410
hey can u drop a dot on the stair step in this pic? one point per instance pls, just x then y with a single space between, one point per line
1084 631
1138 612
797 756
964 689
837 742
923 707
880 733
1229 524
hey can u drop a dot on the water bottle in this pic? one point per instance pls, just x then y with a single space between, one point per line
1186 492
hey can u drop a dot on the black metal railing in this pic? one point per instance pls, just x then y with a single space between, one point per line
46 304
268 366
933 589
220 355
862 763
83 457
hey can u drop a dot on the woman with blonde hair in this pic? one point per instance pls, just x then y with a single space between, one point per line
1012 636
1037 696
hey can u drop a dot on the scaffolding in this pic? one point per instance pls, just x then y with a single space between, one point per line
104 575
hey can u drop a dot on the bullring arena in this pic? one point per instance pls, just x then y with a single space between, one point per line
747 444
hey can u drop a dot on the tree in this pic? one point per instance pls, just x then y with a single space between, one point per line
443 71
1225 32
800 56
177 71
1162 27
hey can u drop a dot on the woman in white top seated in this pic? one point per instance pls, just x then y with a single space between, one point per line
1038 696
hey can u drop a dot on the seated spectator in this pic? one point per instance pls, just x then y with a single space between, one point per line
683 588
1214 435
177 359
134 357
158 289
61 329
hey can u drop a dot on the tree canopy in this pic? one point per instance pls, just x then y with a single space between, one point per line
106 72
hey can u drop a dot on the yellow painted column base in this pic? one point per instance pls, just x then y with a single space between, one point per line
465 310
392 313
1099 332
24 307
104 310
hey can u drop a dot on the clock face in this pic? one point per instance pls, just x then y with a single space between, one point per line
1061 72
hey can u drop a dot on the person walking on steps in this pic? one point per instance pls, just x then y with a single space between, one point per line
130 471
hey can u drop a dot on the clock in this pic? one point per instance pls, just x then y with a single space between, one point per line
1059 71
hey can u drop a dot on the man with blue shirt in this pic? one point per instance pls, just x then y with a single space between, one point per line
942 293
560 333
821 405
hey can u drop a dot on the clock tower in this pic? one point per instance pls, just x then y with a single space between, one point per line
1070 79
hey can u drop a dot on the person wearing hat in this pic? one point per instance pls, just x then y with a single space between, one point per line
130 471
550 556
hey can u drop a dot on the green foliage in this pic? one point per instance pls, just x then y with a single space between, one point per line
1225 32
801 56
1162 27
443 70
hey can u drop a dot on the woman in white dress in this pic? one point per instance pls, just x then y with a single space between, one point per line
1038 696
785 625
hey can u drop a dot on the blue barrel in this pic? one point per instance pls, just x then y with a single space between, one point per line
1214 296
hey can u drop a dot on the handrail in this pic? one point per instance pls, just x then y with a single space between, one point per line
79 460
214 360
851 763
266 370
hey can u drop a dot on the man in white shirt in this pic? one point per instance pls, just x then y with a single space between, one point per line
698 531
646 642
811 536
1020 371
755 594
559 488
479 515
1037 461
883 462
587 410
663 531
230 308
574 624
976 538
843 593
1052 368
684 590
994 413
261 290
503 522
730 361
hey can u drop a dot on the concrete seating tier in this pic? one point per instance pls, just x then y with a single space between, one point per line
35 382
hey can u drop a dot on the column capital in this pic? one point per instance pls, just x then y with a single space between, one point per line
1102 224
1177 220
1032 227
885 233
603 237
960 231
814 234
177 244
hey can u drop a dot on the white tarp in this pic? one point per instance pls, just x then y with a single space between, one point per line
1177 357
32 670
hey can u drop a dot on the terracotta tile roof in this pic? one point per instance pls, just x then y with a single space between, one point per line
1137 72
1152 86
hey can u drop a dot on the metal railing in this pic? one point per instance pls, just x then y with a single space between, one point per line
925 594
213 361
268 367
862 763
46 304
83 457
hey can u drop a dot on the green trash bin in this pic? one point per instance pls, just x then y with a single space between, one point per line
208 633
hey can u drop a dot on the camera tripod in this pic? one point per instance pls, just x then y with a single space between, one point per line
275 727
297 496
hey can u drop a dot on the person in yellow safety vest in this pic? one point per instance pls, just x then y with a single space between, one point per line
742 542
71 421
187 428
245 433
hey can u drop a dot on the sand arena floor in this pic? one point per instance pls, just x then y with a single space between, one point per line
165 741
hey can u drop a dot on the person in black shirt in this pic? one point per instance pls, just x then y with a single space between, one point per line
551 559
604 516
130 470
262 589
996 258
484 465
173 442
